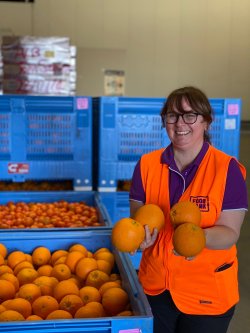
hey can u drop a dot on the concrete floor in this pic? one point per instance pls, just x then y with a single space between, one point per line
241 320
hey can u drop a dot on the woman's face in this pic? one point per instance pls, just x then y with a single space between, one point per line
186 136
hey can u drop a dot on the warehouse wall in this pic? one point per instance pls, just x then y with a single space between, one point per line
161 44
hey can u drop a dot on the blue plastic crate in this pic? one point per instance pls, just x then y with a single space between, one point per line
89 197
46 138
141 322
127 127
117 206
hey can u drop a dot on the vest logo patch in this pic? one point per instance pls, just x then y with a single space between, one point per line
201 202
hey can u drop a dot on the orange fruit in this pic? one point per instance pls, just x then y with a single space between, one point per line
72 259
3 250
102 249
80 248
189 239
185 212
107 256
26 275
15 258
5 269
89 294
127 235
71 303
90 254
114 300
107 285
104 265
126 313
64 288
46 284
2 262
12 278
2 308
29 291
78 281
84 266
57 254
90 310
61 272
44 270
41 256
96 278
11 315
44 305
59 314
7 290
21 265
28 257
20 305
114 277
151 215
34 317
60 260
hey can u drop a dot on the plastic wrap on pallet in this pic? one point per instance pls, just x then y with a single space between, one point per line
39 65
54 70
39 86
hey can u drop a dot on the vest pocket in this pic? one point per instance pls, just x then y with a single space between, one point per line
226 277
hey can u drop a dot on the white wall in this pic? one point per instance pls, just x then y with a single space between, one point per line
161 44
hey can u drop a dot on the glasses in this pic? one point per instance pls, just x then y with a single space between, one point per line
187 117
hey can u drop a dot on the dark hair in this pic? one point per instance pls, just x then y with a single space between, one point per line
197 100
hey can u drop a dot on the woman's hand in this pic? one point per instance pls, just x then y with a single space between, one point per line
148 240
179 255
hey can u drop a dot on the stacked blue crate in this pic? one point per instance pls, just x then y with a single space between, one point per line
46 138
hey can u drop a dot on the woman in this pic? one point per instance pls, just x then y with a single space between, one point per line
191 295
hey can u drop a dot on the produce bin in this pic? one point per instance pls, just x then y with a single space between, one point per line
46 138
141 322
127 127
89 197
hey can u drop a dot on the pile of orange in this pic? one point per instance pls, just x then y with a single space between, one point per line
64 284
188 238
128 233
57 214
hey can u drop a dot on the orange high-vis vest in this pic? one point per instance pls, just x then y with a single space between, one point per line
195 286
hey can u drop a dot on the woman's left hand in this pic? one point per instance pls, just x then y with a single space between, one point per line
148 240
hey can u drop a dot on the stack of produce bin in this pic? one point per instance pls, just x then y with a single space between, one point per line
127 127
46 138
50 139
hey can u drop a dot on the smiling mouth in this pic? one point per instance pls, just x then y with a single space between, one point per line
182 132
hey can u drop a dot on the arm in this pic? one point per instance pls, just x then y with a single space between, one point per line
226 231
134 205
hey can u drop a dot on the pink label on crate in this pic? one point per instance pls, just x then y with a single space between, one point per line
20 168
133 330
82 103
233 109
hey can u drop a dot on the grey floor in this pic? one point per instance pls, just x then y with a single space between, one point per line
241 320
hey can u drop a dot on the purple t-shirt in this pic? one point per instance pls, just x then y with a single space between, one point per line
235 196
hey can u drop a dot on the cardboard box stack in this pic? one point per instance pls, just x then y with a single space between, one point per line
38 65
